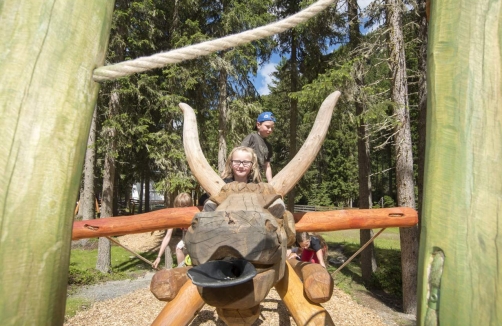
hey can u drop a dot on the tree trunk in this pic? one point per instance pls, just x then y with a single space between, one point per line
88 198
422 103
222 126
404 156
46 101
147 187
462 208
141 192
103 263
293 118
168 257
368 257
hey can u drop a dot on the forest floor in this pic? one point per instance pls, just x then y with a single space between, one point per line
130 302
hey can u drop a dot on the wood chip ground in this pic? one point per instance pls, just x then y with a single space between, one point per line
141 307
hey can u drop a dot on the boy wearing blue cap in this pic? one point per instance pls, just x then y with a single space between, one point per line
257 141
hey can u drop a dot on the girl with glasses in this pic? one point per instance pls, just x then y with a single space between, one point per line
242 166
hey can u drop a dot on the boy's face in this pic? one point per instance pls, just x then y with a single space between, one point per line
265 128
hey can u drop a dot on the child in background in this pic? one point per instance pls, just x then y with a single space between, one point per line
182 200
257 140
310 248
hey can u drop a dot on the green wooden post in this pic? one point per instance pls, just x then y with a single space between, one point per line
48 52
462 212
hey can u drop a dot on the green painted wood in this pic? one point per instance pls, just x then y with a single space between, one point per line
48 52
462 212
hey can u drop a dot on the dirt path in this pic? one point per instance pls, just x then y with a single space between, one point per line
130 302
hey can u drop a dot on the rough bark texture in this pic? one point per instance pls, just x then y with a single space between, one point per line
147 187
87 202
141 193
404 156
168 258
293 113
222 126
368 259
49 50
422 104
88 199
462 211
103 262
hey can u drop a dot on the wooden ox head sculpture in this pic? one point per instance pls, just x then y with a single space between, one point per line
238 246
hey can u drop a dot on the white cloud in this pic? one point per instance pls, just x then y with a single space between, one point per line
265 78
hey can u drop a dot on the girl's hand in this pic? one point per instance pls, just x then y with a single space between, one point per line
156 262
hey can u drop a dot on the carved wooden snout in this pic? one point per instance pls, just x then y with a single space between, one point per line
248 235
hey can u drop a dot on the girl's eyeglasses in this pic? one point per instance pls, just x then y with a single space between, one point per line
244 163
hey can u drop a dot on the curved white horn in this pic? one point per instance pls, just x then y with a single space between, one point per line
201 169
285 180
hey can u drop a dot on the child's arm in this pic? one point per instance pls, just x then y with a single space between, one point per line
163 246
320 257
268 171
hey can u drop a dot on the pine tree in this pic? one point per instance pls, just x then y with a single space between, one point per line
404 156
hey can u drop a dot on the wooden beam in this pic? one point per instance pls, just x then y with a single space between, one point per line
304 312
182 217
166 283
166 218
182 309
317 282
356 219
462 208
47 99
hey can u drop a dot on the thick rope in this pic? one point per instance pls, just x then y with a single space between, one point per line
127 68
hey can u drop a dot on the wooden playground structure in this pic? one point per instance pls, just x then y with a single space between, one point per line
53 54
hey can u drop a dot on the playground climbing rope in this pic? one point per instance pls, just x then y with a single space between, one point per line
127 68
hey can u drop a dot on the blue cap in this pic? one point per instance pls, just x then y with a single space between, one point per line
266 116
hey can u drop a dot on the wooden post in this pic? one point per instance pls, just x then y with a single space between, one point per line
461 241
47 98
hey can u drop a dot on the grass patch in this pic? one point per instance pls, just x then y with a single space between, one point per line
75 304
387 278
124 266
82 272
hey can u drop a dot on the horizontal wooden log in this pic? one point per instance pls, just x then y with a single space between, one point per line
166 283
305 221
317 282
355 219
161 219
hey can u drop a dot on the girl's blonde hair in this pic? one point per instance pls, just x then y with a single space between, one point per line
254 174
183 200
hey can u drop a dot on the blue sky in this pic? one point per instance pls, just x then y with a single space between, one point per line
264 76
